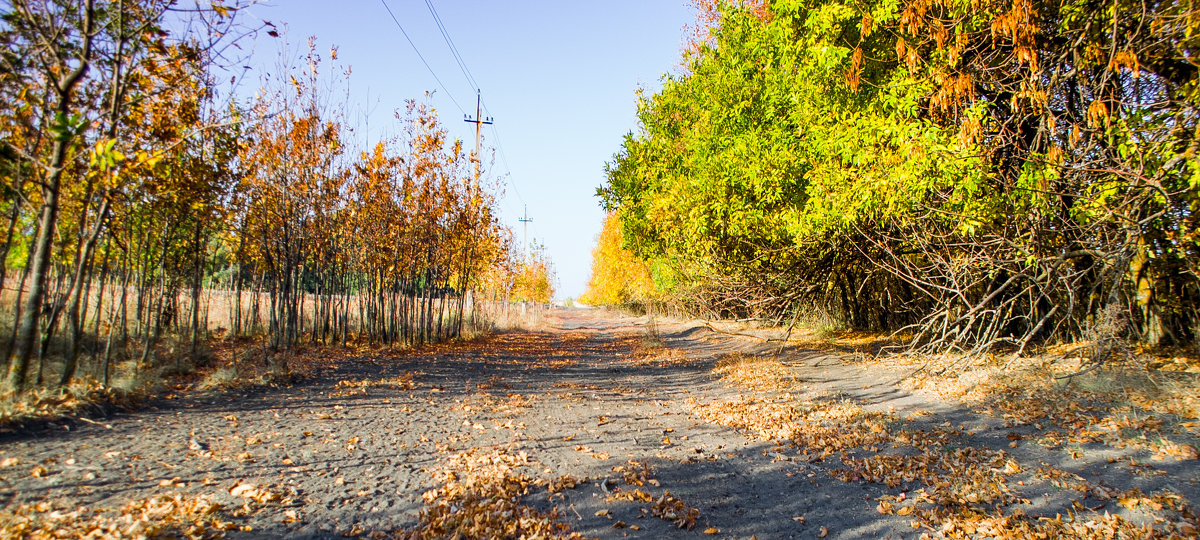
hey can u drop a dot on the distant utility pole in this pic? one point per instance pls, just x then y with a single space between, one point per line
479 121
525 221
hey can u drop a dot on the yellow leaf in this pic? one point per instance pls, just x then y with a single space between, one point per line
243 490
712 530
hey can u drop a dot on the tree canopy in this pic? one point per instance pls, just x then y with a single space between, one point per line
992 173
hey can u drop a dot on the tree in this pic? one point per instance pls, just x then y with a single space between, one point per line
992 174
618 277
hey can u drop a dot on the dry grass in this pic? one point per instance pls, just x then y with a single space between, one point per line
1058 374
500 317
850 341
1123 404
949 490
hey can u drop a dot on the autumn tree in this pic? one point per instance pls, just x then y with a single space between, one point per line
993 174
618 278
73 67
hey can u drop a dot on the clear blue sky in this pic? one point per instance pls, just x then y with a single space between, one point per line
557 76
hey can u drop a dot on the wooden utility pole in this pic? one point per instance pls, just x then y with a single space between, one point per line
479 121
525 221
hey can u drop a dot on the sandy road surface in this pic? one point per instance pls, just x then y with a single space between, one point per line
353 448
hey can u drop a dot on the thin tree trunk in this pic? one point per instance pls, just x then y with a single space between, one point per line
76 294
43 245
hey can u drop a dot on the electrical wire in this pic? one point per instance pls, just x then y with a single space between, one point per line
462 64
414 48
504 160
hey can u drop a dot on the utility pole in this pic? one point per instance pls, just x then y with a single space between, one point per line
525 221
479 121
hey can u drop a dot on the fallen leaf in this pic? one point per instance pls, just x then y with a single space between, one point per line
712 530
823 532
243 490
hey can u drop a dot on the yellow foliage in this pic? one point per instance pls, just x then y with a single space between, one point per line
534 282
618 277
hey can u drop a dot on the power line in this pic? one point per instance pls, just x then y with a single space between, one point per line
504 157
462 64
466 71
414 48
504 160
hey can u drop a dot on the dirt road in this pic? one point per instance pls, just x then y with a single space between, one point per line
353 449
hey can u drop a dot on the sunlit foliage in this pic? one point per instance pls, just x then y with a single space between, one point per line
618 277
143 205
993 174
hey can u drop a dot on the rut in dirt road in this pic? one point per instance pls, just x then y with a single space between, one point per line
611 431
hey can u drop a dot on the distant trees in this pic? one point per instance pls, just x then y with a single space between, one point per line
136 201
992 174
619 278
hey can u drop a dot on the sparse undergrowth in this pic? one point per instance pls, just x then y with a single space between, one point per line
230 368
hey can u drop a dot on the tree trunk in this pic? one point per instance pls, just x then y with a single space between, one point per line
43 245
77 292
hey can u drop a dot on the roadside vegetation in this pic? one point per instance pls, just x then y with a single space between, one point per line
987 177
156 220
